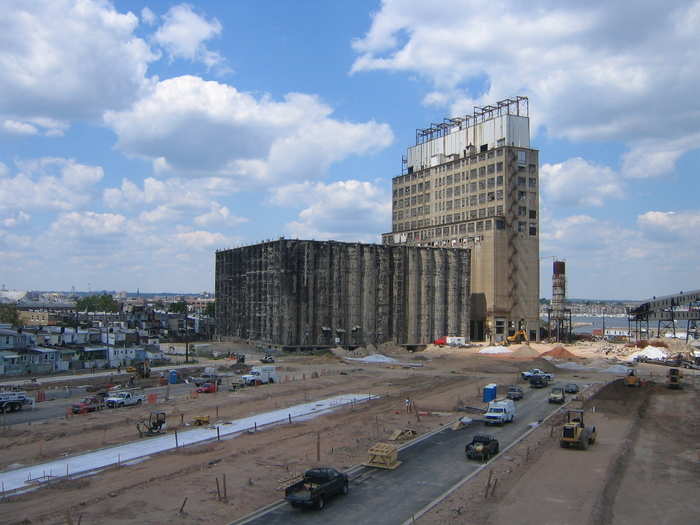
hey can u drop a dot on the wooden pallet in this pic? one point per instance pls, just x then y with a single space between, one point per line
383 455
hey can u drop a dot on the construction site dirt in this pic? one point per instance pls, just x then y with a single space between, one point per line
186 485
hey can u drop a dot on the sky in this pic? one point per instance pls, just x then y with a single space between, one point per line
138 137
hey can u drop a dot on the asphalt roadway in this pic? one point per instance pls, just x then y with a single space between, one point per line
428 469
58 407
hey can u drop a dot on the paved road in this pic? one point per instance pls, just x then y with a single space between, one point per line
57 408
429 468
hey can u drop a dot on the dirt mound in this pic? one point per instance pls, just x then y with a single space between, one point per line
525 352
559 352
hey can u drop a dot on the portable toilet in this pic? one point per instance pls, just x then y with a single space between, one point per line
173 377
490 392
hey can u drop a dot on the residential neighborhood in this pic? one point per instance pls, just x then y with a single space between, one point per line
49 333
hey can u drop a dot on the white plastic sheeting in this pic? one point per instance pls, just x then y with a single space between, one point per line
28 477
495 350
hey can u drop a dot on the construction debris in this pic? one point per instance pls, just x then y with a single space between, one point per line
403 434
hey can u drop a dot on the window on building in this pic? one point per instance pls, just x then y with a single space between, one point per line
482 213
472 174
470 227
448 193
482 184
490 196
532 182
499 180
522 211
480 226
533 214
522 158
482 171
533 229
472 214
500 224
499 210
487 224
522 181
472 187
473 200
491 183
463 228
491 168
491 211
521 227
499 195
482 198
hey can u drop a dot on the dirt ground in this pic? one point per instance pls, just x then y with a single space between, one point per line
643 469
257 465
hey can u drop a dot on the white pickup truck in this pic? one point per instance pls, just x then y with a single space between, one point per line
12 401
124 399
536 372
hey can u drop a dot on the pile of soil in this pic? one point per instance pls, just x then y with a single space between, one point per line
559 352
525 352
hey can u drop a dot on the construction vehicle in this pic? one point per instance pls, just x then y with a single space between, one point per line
575 432
200 421
632 379
518 337
482 447
155 424
142 368
674 378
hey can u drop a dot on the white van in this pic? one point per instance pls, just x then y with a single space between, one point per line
500 411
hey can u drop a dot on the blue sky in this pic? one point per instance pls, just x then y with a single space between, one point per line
136 138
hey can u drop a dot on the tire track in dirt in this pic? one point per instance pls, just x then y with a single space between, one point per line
603 513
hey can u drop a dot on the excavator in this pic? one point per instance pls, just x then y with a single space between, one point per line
632 379
518 337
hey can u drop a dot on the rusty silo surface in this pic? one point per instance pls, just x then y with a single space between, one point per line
559 315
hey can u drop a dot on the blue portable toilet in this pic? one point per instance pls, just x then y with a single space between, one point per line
173 377
490 392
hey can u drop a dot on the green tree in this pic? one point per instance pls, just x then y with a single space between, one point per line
9 314
97 303
179 307
211 309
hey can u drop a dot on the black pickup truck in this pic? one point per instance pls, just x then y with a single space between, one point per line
317 486
482 448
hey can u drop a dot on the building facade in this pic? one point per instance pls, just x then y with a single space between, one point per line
304 294
473 183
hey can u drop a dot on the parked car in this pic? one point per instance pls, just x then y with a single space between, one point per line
482 447
515 393
207 388
571 388
14 401
557 395
88 404
538 382
317 486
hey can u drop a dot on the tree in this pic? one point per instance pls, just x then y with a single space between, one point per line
9 314
179 307
211 309
97 303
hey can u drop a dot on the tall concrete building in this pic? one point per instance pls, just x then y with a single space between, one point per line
473 182
295 294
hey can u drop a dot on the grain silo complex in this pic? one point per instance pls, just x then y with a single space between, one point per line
311 294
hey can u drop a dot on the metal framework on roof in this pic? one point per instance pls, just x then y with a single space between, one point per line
519 106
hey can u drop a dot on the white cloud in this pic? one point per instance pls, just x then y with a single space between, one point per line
15 220
49 183
62 59
593 71
148 16
201 239
190 126
89 224
348 210
15 127
673 226
578 182
218 214
184 32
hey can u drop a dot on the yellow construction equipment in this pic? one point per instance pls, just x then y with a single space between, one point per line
383 455
200 421
632 379
518 337
575 432
403 434
675 378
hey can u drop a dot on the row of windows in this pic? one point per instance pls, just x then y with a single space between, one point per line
470 227
472 187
